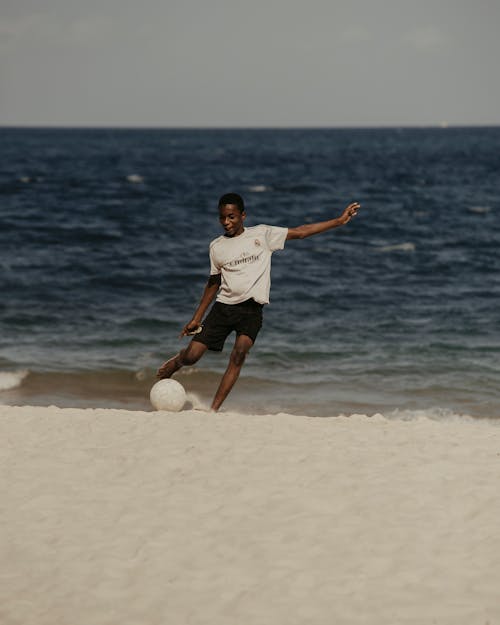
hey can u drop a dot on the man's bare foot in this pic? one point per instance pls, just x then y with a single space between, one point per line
167 369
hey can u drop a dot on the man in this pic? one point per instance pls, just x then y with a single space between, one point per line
240 280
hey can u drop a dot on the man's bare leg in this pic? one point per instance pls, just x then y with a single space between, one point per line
193 352
241 348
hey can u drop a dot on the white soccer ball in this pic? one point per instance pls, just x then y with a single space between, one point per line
168 395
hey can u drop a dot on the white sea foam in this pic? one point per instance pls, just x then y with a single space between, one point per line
399 247
258 188
135 178
432 414
479 210
11 379
435 414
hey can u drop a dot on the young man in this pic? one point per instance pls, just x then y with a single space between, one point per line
240 280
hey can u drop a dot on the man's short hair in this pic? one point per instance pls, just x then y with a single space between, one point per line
232 198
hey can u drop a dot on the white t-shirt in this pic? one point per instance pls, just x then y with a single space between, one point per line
245 263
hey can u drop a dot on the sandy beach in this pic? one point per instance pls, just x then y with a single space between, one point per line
153 518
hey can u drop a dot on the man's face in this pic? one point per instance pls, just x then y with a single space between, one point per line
231 219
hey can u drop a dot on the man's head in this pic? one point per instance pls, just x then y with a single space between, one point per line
232 214
232 198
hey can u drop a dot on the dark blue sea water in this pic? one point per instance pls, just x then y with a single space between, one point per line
104 254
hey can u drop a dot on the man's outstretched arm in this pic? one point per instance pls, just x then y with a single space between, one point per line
307 230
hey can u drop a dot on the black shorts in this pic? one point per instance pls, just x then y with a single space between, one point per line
244 318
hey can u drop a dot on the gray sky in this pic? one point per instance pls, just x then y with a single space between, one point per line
249 62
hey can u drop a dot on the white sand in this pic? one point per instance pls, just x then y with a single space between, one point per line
128 518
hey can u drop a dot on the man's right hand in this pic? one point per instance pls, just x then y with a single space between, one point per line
190 328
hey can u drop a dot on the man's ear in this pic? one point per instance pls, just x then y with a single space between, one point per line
243 215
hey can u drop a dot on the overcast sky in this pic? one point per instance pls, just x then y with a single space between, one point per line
249 62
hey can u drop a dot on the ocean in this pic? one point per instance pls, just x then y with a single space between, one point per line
104 239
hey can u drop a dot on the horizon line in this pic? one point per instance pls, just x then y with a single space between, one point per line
440 125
